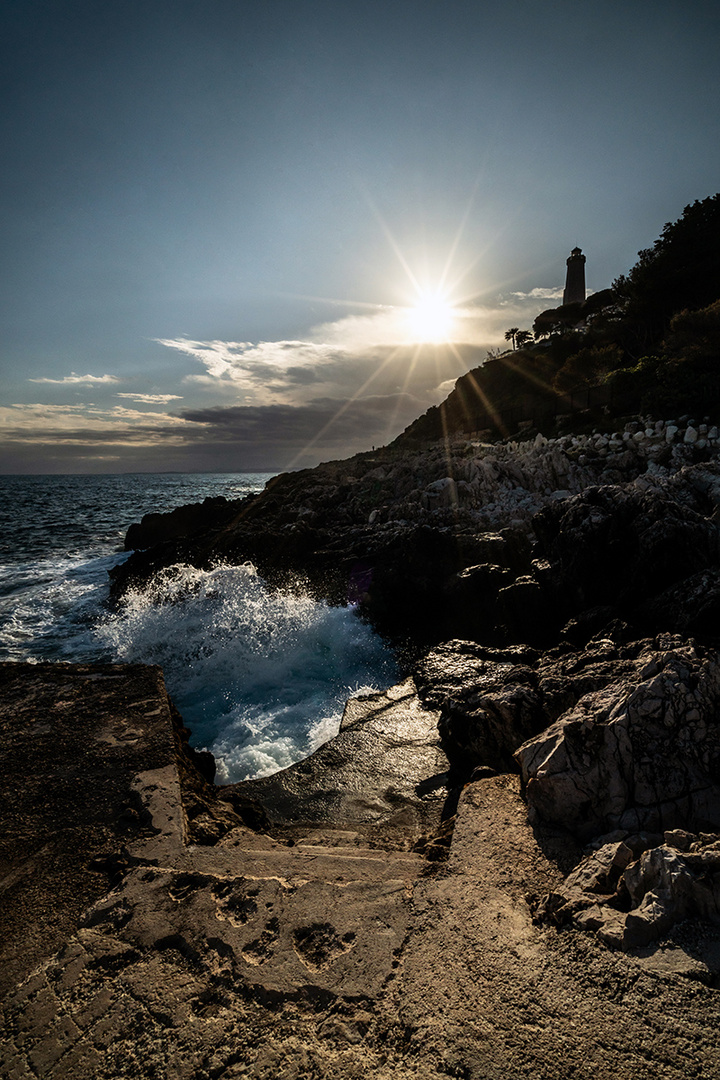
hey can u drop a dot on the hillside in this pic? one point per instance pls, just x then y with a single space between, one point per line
649 343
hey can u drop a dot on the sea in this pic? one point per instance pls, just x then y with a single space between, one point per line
260 676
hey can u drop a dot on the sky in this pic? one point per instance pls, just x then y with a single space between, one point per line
258 234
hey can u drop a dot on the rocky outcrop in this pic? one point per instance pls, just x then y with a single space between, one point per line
633 889
320 954
640 754
501 543
618 745
493 700
382 780
213 512
73 739
617 546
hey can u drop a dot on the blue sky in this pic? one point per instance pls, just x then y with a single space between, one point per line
216 214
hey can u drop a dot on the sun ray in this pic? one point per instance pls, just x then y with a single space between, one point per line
456 242
344 406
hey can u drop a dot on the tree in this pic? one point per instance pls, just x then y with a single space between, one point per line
586 368
510 334
522 338
557 320
680 271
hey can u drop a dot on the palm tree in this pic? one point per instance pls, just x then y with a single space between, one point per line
522 337
510 334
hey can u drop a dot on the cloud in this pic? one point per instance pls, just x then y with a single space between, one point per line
42 424
73 379
358 354
244 363
152 399
540 294
286 423
351 383
304 434
219 438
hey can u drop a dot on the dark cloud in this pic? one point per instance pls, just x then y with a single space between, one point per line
325 421
218 438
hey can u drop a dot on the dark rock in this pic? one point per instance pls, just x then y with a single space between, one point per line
384 775
692 606
633 898
481 772
616 546
72 740
491 700
587 624
182 522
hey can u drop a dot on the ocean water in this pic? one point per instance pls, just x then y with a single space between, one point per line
260 677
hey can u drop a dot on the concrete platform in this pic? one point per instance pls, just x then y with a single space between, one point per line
298 958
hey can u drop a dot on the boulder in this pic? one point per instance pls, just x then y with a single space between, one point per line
492 700
641 753
614 544
156 528
631 902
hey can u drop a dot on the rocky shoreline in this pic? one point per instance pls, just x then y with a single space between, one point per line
509 864
494 542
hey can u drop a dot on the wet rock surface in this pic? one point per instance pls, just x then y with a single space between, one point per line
384 778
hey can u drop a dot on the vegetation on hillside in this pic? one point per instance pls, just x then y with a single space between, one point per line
649 343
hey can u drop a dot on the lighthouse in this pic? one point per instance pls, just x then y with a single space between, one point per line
575 279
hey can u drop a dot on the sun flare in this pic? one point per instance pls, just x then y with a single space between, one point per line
431 318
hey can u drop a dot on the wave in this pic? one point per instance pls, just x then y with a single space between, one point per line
260 676
49 608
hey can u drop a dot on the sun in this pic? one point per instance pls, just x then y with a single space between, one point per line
431 318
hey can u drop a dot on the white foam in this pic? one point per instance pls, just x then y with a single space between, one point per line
261 677
48 608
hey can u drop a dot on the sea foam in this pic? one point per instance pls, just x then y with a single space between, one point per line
260 676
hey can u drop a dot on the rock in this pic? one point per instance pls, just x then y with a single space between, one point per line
384 773
72 737
641 753
183 522
600 871
641 899
691 606
491 700
612 545
306 955
414 522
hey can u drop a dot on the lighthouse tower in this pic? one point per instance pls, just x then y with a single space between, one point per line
575 280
